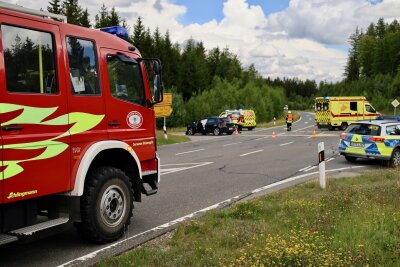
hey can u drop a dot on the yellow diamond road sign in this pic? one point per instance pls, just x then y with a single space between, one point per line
395 103
164 109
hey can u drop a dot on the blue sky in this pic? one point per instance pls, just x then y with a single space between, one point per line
202 11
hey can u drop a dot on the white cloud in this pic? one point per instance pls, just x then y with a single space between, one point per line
291 43
330 22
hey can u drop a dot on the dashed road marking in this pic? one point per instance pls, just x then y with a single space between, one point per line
181 153
285 144
232 144
183 168
251 152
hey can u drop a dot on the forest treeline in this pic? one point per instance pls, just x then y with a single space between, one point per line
373 66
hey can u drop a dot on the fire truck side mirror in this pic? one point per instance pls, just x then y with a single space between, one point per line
154 74
157 88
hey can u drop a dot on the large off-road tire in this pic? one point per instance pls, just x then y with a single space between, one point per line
106 205
395 159
350 158
331 128
250 128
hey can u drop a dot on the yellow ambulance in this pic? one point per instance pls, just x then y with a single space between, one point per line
243 118
340 111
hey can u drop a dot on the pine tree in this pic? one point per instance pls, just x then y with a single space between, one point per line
113 18
54 7
352 70
138 32
84 19
381 28
72 10
102 19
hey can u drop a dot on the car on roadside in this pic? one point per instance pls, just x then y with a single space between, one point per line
372 139
214 125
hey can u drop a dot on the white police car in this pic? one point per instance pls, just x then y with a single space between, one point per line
375 139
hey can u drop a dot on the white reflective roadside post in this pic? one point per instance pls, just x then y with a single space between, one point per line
274 121
321 165
165 129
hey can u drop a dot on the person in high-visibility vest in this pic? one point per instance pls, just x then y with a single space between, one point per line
289 120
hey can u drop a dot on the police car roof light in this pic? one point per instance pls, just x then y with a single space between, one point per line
326 97
119 31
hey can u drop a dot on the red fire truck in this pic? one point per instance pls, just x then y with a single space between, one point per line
77 126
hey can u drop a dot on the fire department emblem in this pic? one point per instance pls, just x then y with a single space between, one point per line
134 119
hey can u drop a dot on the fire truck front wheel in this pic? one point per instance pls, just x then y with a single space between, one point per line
106 205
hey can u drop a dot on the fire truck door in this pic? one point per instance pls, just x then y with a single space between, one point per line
129 117
33 108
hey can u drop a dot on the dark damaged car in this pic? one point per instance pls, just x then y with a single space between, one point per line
214 125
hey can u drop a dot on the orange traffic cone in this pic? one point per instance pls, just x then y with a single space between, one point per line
273 135
235 132
314 134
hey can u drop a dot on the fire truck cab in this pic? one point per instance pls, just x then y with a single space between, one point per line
77 129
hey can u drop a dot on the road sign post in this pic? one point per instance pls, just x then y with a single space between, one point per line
321 165
395 104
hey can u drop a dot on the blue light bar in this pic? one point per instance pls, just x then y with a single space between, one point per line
326 97
119 31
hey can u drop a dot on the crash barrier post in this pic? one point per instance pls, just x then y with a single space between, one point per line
321 165
165 130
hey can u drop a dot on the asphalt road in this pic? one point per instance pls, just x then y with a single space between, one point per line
197 175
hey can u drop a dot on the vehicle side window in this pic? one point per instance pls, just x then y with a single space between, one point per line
29 60
368 108
126 81
353 106
83 68
211 121
393 130
364 129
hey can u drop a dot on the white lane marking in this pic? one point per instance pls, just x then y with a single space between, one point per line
172 170
261 138
309 169
285 144
189 152
309 137
179 164
305 168
232 144
304 128
251 152
330 159
306 122
191 215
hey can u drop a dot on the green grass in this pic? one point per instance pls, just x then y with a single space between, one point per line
354 222
172 138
